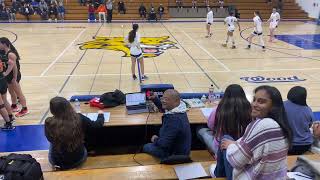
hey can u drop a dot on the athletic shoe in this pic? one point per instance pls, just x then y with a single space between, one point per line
23 112
224 45
210 34
15 109
8 126
211 170
263 48
248 47
134 77
144 77
233 47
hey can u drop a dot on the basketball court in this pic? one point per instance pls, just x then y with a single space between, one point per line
79 58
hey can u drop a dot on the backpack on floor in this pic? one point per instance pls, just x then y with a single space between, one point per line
113 99
20 167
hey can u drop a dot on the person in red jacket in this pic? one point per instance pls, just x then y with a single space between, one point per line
91 11
102 12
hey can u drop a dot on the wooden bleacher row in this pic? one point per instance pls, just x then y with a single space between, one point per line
76 12
247 7
124 166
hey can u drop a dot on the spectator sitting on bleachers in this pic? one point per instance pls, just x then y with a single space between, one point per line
261 153
143 11
152 15
3 12
231 117
221 2
179 3
121 7
194 3
91 11
175 133
316 130
35 6
27 10
69 134
43 10
61 11
53 12
160 11
15 7
300 118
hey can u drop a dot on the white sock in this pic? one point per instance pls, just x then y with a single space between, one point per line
261 40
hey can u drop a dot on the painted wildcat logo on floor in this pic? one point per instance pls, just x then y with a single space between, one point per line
151 46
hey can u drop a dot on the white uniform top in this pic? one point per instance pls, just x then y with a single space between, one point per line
275 18
230 20
135 48
210 17
257 24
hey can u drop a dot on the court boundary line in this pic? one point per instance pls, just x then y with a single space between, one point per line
206 51
62 53
203 71
181 72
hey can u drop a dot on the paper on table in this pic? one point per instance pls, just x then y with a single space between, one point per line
94 116
190 171
206 112
298 176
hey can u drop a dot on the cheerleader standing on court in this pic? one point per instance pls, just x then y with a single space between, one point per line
230 20
13 74
274 22
257 20
135 51
209 22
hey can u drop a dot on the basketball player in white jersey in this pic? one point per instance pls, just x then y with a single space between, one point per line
257 21
209 22
274 21
230 20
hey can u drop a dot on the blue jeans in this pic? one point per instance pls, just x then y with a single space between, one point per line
152 149
223 168
91 16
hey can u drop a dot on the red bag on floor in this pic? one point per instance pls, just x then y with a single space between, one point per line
95 102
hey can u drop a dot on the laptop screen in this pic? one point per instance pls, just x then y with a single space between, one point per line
135 99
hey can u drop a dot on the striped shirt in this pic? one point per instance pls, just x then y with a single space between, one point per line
261 153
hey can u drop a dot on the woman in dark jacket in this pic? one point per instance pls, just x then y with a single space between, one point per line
68 132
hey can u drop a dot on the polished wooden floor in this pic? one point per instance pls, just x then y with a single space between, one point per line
53 64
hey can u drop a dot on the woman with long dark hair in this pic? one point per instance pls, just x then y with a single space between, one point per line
13 76
257 22
300 118
230 119
67 133
136 52
261 153
5 108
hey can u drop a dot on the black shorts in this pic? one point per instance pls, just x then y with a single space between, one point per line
9 77
136 56
255 33
3 85
209 23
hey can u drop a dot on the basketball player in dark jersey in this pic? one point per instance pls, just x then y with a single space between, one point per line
13 74
5 109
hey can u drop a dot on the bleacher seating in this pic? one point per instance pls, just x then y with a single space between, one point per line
74 11
291 10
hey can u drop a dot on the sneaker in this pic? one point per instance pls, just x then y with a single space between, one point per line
8 126
224 45
134 77
23 112
248 47
263 48
210 34
211 170
144 77
233 47
15 109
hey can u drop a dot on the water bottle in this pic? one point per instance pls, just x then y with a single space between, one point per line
203 99
77 106
211 94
